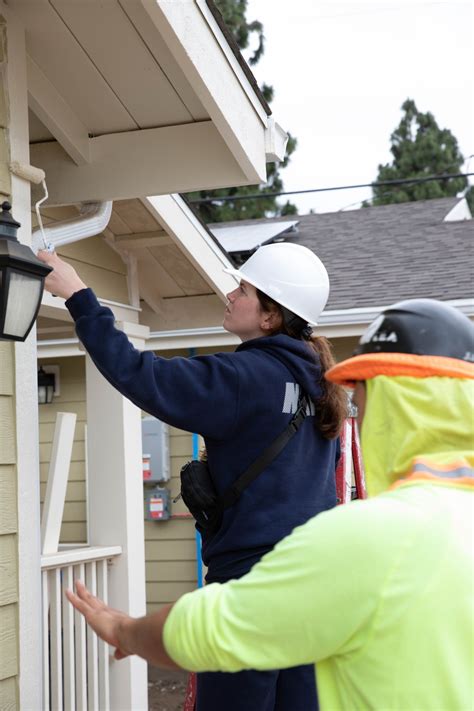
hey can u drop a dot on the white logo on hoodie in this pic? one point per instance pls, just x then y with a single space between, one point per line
290 402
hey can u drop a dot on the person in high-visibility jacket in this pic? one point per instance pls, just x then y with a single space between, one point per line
378 594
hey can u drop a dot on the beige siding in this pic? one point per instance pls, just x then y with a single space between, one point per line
71 399
8 568
98 265
8 694
8 641
9 630
8 535
8 522
170 546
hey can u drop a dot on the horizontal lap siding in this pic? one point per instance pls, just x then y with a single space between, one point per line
8 694
71 399
99 266
8 535
170 547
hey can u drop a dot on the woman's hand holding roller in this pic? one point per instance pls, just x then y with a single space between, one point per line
63 280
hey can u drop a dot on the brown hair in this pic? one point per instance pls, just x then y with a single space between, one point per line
332 405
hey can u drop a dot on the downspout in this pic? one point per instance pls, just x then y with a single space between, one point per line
92 220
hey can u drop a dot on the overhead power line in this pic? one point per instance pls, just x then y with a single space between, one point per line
261 196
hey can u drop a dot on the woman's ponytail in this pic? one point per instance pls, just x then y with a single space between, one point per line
332 406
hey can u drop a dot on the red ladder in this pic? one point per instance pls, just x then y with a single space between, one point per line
349 469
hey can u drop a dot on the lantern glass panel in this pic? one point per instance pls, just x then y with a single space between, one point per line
24 294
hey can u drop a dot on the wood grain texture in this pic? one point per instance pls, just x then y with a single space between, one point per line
8 569
9 694
7 430
8 641
6 368
8 503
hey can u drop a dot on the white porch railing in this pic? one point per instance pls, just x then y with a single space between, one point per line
75 661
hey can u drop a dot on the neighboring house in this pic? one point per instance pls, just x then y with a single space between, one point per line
115 101
376 256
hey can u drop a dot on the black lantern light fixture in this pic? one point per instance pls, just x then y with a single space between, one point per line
46 385
21 281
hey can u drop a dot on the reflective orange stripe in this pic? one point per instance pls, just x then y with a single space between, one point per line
457 474
369 365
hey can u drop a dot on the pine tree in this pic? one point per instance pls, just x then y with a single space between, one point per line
234 14
420 148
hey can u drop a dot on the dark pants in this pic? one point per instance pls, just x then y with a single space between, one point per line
284 690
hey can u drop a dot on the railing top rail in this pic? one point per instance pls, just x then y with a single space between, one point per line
79 555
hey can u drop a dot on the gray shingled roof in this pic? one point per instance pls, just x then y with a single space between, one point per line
379 255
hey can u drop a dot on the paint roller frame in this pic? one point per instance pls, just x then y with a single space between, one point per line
34 175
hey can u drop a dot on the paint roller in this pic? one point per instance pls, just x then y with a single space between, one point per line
36 176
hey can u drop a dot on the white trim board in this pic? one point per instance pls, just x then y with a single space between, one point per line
341 323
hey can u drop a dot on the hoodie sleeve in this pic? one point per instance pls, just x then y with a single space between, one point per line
197 394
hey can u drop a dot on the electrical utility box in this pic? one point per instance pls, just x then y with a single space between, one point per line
157 503
156 451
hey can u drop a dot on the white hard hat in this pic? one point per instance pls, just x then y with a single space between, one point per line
292 275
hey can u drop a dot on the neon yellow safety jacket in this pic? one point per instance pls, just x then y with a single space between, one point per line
378 594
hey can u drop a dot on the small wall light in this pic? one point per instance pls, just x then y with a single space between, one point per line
46 384
21 281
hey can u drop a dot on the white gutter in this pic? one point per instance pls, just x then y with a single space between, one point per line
341 323
92 220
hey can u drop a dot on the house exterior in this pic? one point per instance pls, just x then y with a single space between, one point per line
113 101
374 257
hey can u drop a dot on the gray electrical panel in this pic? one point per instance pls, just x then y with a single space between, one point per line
156 453
157 503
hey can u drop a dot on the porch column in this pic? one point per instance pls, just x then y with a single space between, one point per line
115 494
21 643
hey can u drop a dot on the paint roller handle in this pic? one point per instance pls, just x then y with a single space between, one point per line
63 280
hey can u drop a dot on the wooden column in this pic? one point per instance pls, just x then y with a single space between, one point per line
115 487
14 147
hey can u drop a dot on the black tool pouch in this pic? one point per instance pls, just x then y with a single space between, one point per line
199 493
200 496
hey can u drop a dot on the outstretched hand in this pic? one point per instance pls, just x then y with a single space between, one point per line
63 280
104 620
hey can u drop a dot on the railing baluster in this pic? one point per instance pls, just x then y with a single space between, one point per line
75 661
68 642
56 641
80 648
92 646
102 591
45 603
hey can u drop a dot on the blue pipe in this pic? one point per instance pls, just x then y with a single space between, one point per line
195 443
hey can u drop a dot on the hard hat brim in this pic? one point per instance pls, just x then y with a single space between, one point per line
244 277
369 365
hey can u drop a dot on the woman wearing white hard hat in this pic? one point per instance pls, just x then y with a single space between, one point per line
269 420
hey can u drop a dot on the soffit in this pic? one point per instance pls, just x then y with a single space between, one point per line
109 65
164 272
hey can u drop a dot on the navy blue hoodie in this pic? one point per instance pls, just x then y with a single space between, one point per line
239 402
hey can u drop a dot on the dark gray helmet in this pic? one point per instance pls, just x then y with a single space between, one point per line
420 327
